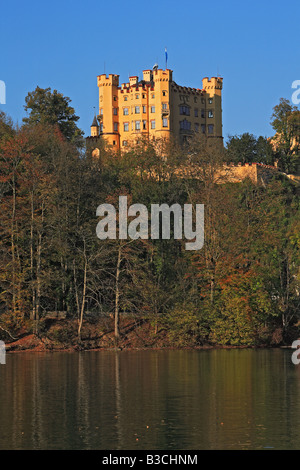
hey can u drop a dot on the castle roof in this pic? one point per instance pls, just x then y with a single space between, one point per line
94 123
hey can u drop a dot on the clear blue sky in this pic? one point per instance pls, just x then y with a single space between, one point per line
253 45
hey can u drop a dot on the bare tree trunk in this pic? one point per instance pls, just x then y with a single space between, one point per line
19 297
117 296
212 289
156 327
38 274
13 246
76 289
31 261
83 295
38 282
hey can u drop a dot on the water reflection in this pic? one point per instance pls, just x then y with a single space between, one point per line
218 399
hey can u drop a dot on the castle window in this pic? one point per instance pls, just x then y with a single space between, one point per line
210 128
144 96
152 109
137 110
126 126
125 143
115 98
185 110
152 124
115 111
210 100
164 106
165 122
115 127
114 142
196 112
210 114
153 95
144 125
203 128
137 125
137 96
144 109
185 125
125 98
196 127
125 111
202 113
164 93
101 127
101 111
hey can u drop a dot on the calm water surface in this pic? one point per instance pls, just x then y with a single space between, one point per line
153 400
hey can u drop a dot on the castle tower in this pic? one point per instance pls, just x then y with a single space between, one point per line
213 90
161 99
109 109
94 128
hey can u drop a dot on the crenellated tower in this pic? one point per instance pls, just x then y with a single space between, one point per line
213 90
109 108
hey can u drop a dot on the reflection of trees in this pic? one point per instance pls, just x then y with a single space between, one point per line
210 399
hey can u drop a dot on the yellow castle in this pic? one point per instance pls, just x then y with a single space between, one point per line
156 107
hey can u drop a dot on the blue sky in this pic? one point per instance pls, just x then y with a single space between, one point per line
65 44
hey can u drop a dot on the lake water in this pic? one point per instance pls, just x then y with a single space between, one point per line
153 400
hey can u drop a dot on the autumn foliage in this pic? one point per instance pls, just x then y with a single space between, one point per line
240 289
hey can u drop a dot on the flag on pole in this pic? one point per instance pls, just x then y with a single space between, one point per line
166 53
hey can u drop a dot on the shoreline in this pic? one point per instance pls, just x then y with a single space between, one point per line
62 336
11 348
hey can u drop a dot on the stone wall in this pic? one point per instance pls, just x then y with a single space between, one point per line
257 172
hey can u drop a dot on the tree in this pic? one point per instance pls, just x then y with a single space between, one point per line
27 191
52 108
264 149
280 117
242 148
285 120
246 148
6 126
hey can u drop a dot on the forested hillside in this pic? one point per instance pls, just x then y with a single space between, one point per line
241 289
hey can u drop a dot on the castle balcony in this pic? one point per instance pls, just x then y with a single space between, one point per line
165 111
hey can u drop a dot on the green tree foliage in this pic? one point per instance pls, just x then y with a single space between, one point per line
246 148
285 120
280 119
6 126
52 108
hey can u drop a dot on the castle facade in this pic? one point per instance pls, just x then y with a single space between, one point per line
156 107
